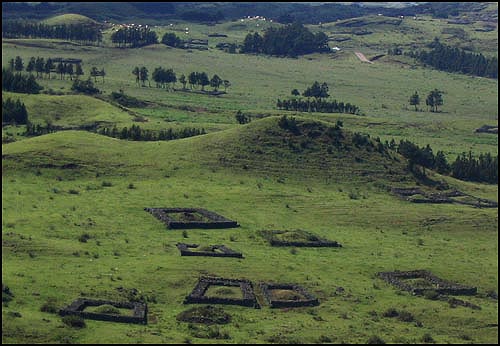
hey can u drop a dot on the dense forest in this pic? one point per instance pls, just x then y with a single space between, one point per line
452 59
86 34
14 112
17 82
291 40
134 36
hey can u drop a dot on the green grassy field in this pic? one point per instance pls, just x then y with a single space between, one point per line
74 225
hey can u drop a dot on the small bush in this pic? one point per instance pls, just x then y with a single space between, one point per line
49 306
375 340
185 234
427 338
131 186
74 192
431 294
107 184
324 339
391 312
84 237
74 321
293 251
405 316
6 294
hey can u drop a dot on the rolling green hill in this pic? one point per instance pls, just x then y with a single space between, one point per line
69 19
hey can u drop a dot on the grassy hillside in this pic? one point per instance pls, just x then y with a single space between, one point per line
69 19
49 204
74 224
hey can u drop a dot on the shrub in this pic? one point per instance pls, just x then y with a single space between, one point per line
74 321
107 184
406 316
84 237
431 294
6 294
73 192
375 340
131 186
49 306
427 338
391 312
184 233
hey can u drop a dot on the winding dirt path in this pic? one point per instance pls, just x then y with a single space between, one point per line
362 57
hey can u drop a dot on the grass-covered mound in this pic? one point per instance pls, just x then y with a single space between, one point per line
69 19
205 314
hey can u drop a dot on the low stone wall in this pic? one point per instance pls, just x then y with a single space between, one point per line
320 243
216 220
309 300
441 286
226 252
197 296
139 313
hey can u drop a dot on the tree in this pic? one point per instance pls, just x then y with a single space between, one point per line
226 83
143 75
215 82
183 81
434 99
102 73
94 73
39 66
79 70
136 72
441 165
171 39
295 92
415 100
31 65
203 80
60 69
18 63
70 71
49 65
193 79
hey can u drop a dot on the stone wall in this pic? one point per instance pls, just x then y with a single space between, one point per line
216 220
309 299
139 313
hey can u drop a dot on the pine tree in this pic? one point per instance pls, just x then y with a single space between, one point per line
415 100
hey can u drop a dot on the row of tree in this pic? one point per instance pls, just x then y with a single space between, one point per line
19 83
452 59
14 112
465 167
317 105
166 78
42 66
291 40
135 133
134 36
86 34
433 100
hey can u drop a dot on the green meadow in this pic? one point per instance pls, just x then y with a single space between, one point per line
74 225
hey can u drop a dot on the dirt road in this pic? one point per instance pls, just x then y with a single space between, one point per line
362 57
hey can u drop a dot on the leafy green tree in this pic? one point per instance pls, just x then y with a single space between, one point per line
183 81
143 75
226 83
172 40
203 80
415 100
215 82
94 73
39 66
60 69
441 165
31 65
434 99
18 63
295 92
193 79
49 65
136 72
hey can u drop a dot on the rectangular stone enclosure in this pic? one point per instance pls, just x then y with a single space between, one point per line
197 296
297 296
223 251
185 218
403 281
138 316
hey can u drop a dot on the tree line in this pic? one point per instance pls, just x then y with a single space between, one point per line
452 59
19 83
14 112
45 67
291 40
135 133
72 32
166 78
484 168
134 36
318 92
